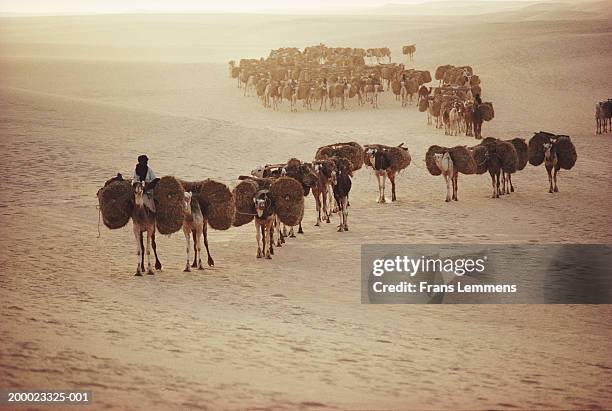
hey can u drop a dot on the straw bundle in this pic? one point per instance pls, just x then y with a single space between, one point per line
507 155
487 111
522 151
169 196
352 151
288 199
429 159
481 156
536 147
441 71
463 160
243 197
116 201
217 203
425 75
566 152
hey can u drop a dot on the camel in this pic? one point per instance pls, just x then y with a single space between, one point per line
551 162
194 224
341 184
382 168
321 94
453 120
143 220
600 118
449 172
325 171
264 223
409 51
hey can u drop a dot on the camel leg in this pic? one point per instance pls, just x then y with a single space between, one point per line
325 205
195 249
211 262
383 178
494 195
510 181
556 189
300 230
267 230
391 175
449 183
258 230
455 185
187 249
149 267
318 206
291 232
158 265
550 184
139 251
198 247
345 208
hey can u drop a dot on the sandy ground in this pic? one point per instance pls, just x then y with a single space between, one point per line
288 333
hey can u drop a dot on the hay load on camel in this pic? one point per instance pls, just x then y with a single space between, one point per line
566 152
461 156
487 111
352 151
288 197
116 201
169 213
481 156
522 150
507 155
243 194
399 156
216 201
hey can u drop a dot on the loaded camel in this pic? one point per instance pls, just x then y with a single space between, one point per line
195 224
555 151
449 172
143 220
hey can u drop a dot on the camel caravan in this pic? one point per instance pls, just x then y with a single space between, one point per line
456 104
501 159
321 77
273 195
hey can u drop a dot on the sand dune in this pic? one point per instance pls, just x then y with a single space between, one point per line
288 333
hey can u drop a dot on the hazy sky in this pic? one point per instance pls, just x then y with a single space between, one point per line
105 6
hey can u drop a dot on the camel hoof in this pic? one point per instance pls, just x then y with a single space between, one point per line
194 265
556 190
151 272
346 228
292 236
138 274
300 231
268 257
158 266
187 269
447 200
340 229
211 262
200 267
550 190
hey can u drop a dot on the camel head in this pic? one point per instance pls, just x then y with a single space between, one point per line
187 202
261 200
138 193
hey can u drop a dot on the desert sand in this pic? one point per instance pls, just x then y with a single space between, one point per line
82 97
